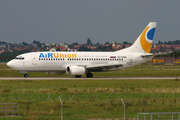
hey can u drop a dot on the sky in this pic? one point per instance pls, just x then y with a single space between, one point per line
73 21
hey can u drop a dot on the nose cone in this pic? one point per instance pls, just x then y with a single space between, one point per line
15 64
10 64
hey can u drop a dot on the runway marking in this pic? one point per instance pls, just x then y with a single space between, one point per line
114 78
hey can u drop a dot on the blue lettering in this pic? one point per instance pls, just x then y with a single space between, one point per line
41 55
50 55
45 55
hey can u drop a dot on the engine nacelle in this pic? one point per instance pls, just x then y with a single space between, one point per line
54 73
75 70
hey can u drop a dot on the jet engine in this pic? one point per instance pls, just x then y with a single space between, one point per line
75 70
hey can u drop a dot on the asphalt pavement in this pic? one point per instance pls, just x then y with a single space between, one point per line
84 78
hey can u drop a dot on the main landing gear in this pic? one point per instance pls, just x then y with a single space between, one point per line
77 76
26 75
89 75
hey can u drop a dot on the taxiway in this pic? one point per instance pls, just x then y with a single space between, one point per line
95 78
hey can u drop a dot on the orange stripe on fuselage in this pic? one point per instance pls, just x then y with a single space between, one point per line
144 44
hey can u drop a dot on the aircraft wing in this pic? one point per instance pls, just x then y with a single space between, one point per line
104 67
156 54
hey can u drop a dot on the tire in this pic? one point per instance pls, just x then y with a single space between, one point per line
89 75
77 76
26 75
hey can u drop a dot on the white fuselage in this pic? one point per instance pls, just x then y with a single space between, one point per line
48 62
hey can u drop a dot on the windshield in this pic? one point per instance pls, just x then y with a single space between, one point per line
19 58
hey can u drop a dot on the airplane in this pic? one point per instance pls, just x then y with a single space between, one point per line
80 63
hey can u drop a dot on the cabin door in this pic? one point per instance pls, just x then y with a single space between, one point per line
34 59
130 61
130 58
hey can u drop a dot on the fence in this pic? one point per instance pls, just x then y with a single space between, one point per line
105 99
158 117
9 109
5 59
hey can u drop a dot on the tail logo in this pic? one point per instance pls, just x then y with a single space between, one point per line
146 39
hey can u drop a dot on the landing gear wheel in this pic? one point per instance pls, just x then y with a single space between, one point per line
89 75
77 76
26 75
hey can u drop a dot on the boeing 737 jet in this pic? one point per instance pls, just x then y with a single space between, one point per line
80 63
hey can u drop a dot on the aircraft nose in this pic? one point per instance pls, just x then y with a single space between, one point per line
10 64
15 64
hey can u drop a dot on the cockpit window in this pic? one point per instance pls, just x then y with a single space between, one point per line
19 58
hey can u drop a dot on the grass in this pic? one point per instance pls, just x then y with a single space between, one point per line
87 99
90 98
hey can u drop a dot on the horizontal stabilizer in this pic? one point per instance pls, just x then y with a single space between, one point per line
156 54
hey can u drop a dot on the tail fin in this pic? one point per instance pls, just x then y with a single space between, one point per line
143 43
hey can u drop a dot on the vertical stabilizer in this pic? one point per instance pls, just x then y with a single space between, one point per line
144 42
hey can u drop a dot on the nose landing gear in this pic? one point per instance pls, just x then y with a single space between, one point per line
25 73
